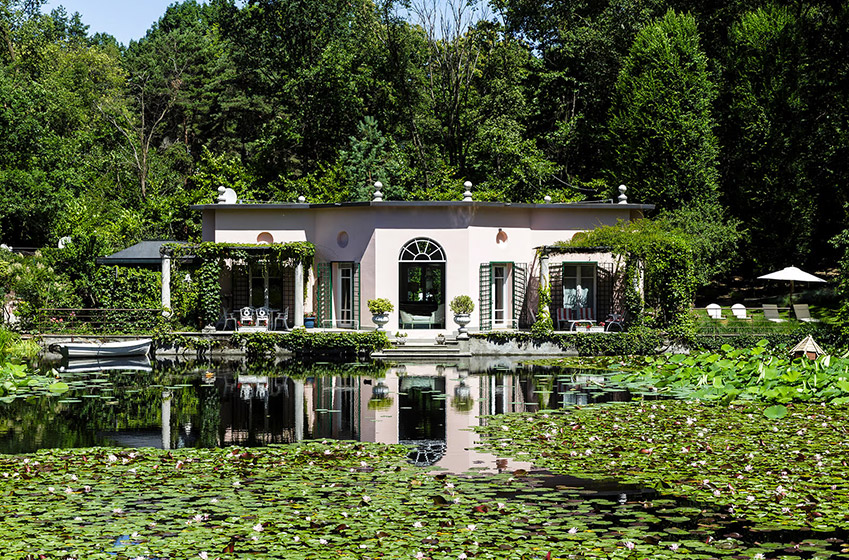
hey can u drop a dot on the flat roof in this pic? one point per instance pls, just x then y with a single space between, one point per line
606 205
142 253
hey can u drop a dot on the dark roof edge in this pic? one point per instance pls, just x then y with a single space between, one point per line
425 204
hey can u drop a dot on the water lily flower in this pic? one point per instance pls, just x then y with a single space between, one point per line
572 530
322 541
629 545
203 555
418 525
674 547
258 527
471 526
51 489
419 555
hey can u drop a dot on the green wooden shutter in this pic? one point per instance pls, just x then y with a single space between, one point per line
324 296
485 297
356 303
520 283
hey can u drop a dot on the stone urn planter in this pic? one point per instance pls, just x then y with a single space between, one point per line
462 320
380 320
380 309
462 306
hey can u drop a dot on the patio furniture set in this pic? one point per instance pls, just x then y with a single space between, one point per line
581 319
258 317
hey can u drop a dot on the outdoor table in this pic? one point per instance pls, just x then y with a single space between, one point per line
586 323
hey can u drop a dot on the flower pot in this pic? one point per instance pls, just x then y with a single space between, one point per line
380 320
462 319
309 322
440 338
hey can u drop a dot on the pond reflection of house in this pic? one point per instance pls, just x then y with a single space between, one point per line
419 255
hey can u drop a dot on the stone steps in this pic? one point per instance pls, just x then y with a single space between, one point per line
422 349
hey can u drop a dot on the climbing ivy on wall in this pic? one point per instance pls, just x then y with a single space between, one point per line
668 260
213 259
543 325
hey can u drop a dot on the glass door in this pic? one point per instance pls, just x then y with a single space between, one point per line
346 295
499 294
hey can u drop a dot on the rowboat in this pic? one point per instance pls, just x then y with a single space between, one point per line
139 347
94 365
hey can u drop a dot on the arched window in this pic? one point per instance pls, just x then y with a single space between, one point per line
422 249
421 281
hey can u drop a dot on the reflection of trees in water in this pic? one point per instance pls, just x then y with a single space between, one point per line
210 416
209 408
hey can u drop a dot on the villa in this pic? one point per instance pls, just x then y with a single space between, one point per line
418 255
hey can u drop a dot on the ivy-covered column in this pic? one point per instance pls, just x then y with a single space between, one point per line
543 325
166 283
299 295
299 409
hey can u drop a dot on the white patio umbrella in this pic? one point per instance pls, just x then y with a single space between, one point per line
791 274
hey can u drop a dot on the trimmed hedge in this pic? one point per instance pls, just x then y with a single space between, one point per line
304 343
644 341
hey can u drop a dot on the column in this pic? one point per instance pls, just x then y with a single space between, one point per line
166 420
299 295
299 409
166 284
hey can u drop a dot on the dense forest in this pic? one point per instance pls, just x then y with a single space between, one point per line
731 117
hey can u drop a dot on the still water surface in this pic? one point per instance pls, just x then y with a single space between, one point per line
430 408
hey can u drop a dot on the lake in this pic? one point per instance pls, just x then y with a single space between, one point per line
431 408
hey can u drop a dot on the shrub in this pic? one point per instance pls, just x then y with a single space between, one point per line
462 305
380 306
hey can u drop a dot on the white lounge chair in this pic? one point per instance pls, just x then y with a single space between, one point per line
771 313
714 311
803 313
739 311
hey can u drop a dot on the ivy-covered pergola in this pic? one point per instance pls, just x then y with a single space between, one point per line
214 258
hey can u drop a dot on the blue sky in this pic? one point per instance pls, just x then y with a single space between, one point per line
123 19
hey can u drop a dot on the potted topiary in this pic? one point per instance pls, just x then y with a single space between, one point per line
400 338
462 306
380 308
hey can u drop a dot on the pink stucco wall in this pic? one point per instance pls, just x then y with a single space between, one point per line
373 235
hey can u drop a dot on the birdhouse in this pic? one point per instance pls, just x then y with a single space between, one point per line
807 348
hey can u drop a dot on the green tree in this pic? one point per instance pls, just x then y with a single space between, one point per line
661 126
371 157
785 130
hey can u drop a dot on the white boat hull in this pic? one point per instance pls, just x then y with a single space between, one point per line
105 349
94 365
